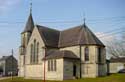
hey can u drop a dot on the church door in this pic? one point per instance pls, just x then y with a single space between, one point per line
74 70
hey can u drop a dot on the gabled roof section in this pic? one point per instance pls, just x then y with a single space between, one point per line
56 54
79 35
29 25
49 36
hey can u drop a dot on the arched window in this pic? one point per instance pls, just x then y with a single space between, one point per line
49 65
34 51
99 55
37 53
31 54
54 65
86 54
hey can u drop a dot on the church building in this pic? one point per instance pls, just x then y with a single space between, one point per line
60 55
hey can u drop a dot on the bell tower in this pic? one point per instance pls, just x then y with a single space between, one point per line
25 36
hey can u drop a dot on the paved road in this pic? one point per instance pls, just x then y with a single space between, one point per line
1 78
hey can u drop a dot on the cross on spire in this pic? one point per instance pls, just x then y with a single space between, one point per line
30 6
84 19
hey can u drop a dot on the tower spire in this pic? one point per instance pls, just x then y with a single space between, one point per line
30 6
30 23
84 18
84 21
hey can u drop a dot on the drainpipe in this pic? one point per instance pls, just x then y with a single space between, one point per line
12 65
80 53
44 79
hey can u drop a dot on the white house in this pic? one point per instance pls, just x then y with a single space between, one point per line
116 64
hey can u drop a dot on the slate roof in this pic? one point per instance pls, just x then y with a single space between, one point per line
49 36
56 54
29 25
79 35
116 60
4 58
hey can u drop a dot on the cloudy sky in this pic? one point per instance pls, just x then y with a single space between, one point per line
102 17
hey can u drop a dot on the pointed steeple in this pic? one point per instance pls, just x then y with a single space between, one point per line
30 6
84 19
30 23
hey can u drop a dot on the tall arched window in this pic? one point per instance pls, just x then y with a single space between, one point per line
99 55
37 53
31 54
54 65
86 54
34 51
49 65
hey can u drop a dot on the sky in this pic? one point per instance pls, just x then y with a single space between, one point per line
101 16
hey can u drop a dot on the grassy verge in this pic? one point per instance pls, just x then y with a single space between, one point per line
111 78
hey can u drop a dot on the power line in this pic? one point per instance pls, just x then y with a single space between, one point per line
70 21
73 21
107 18
111 34
117 19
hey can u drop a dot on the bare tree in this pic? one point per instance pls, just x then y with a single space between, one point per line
116 48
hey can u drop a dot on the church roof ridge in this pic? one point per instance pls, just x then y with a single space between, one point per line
46 27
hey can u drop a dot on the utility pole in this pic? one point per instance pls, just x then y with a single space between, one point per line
80 61
44 80
12 66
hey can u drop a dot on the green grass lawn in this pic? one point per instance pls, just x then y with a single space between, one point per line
111 78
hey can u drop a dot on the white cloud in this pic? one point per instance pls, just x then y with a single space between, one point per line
105 38
6 5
